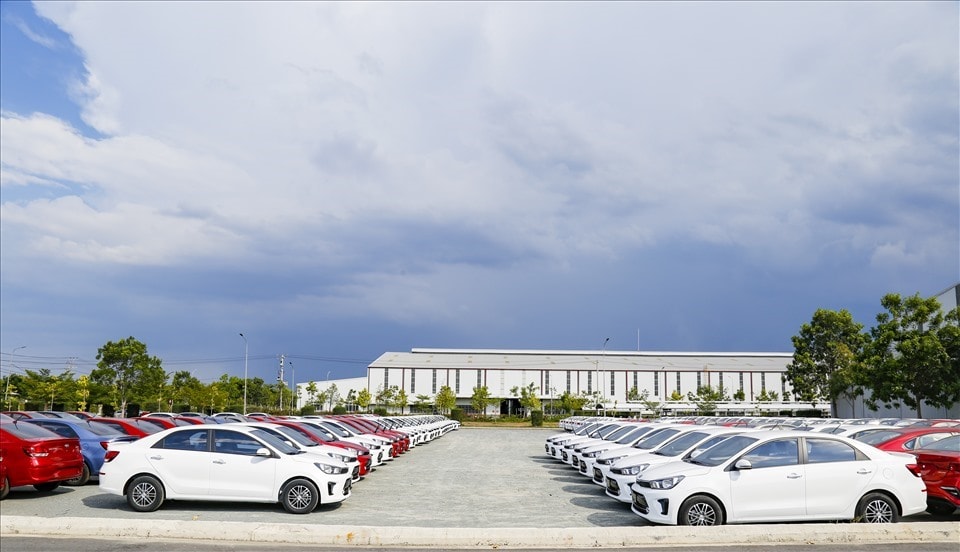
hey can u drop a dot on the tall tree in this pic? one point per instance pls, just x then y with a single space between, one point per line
480 399
706 399
125 367
906 361
528 397
445 399
825 358
363 398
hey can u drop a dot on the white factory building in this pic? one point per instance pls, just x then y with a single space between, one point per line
609 374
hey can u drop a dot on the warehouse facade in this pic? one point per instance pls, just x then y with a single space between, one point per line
608 376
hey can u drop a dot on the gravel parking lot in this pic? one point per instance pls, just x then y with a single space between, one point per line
468 478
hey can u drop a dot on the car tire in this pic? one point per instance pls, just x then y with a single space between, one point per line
299 496
81 479
46 487
145 494
6 488
877 508
700 510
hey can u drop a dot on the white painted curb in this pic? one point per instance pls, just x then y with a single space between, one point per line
578 537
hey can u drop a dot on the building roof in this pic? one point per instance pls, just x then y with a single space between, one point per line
512 359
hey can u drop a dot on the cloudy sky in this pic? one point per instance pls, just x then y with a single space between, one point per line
339 180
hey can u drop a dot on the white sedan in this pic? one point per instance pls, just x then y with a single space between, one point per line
221 463
781 476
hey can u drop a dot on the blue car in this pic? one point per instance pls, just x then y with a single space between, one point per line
94 438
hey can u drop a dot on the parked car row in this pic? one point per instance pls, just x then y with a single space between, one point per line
298 462
681 473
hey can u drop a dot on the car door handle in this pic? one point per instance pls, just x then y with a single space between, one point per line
794 476
864 471
157 457
219 461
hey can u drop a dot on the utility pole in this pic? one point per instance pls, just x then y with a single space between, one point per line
282 383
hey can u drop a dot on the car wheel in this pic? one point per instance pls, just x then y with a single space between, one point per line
81 479
700 510
299 496
47 487
5 490
877 508
145 494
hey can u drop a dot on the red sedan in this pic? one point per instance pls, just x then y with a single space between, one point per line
940 469
906 439
130 426
32 455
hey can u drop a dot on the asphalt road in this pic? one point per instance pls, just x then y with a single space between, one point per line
470 479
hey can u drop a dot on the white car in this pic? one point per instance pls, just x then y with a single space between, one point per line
618 476
554 443
304 443
221 463
778 476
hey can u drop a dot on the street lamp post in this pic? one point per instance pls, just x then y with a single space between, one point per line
603 352
245 349
293 385
6 393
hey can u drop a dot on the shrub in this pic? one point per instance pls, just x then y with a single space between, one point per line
308 410
380 411
536 418
339 409
457 414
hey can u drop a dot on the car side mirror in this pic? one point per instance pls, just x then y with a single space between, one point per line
264 452
743 464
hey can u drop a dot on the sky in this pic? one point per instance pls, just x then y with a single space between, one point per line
340 180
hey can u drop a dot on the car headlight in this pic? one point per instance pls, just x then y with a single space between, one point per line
590 454
666 483
632 470
328 469
342 457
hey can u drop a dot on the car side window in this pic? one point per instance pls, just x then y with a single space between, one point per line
195 440
231 442
782 452
825 450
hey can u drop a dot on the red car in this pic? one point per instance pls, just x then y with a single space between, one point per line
32 455
159 423
130 426
906 439
940 469
318 436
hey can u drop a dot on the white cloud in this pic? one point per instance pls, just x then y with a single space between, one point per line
548 134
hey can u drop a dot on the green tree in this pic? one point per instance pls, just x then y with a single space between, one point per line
676 396
312 393
185 390
706 399
400 399
332 396
739 395
481 399
422 402
126 368
385 396
571 403
445 399
825 360
906 361
363 398
529 399
634 395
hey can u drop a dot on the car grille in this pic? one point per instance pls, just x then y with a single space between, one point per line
640 503
613 486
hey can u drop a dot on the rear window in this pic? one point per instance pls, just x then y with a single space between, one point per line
28 431
103 430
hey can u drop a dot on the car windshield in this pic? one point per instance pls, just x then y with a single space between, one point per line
585 430
716 455
614 435
633 435
679 444
707 444
337 429
656 439
295 436
951 444
29 431
274 441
